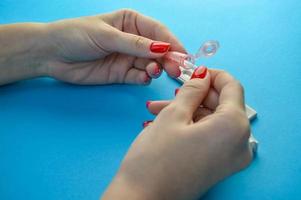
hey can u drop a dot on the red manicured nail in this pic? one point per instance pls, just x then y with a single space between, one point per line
176 91
199 72
146 79
157 70
147 104
178 72
159 47
146 123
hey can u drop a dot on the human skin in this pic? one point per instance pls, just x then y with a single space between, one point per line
187 148
104 49
196 140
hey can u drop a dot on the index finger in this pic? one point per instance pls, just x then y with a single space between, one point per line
145 26
230 90
131 21
155 30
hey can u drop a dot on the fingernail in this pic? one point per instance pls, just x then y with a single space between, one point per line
176 91
199 72
146 123
146 79
159 47
147 104
157 70
179 72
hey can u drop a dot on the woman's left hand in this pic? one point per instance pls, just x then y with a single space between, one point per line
119 47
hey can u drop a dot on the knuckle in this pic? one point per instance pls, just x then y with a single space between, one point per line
139 41
161 27
222 73
130 16
128 11
168 111
244 130
238 125
238 85
173 111
195 86
242 154
244 159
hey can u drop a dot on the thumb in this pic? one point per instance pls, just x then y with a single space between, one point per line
139 46
192 93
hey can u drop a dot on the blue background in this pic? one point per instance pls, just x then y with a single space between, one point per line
60 141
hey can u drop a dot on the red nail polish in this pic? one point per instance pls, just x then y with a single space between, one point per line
159 47
146 79
199 72
176 91
147 104
178 72
146 123
157 70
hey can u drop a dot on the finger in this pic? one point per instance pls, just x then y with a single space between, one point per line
171 68
154 69
136 76
211 100
192 94
230 90
155 107
136 45
139 24
201 112
141 63
146 123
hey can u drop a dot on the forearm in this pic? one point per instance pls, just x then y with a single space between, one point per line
23 51
122 188
145 184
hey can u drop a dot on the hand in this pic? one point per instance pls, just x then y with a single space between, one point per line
187 148
119 47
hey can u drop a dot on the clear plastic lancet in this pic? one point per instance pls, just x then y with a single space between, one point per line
187 61
208 49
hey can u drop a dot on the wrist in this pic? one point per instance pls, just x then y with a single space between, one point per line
42 50
25 53
123 187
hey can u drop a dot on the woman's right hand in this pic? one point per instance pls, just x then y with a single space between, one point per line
188 148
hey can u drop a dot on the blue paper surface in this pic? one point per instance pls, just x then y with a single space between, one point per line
61 141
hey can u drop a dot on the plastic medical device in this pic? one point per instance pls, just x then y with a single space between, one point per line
187 61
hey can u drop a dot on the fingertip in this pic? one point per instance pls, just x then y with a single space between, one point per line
178 72
159 47
154 107
145 79
157 71
146 123
147 104
200 72
172 69
154 70
193 93
176 91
